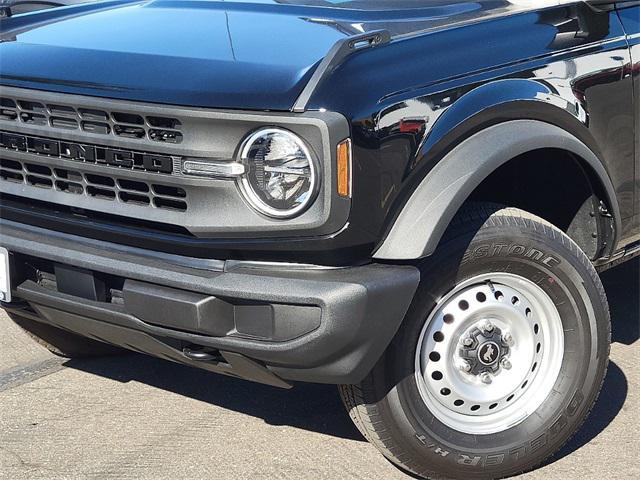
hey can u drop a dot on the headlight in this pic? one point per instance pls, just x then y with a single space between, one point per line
281 178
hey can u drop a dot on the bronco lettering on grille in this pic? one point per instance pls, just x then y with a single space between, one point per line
86 153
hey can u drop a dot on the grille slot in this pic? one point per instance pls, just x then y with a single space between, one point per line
68 175
7 102
69 187
100 180
95 127
66 123
128 197
40 182
169 204
103 193
100 122
165 136
11 176
133 185
127 118
33 118
10 164
129 132
175 192
61 110
31 106
89 114
102 187
164 123
9 115
38 169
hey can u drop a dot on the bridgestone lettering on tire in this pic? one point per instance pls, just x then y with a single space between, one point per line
500 357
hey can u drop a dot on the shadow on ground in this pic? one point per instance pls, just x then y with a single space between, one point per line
622 285
318 407
623 291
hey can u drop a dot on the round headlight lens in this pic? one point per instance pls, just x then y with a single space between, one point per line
281 178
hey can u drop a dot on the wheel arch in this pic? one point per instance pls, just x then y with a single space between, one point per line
418 228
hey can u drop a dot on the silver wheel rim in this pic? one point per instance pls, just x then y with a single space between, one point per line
489 354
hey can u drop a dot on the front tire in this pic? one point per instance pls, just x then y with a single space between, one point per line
500 357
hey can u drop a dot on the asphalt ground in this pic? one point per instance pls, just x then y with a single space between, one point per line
142 418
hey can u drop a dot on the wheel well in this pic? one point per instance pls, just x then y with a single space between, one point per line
557 186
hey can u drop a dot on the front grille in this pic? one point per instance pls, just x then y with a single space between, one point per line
122 161
112 123
103 187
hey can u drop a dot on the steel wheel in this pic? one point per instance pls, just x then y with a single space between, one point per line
498 360
489 354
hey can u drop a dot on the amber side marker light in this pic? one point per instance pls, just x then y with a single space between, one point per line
344 168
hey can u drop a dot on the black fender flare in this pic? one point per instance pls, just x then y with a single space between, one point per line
425 217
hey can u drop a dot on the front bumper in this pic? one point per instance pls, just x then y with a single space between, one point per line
265 322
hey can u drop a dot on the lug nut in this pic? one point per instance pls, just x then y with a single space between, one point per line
506 364
464 366
467 342
486 378
507 338
488 327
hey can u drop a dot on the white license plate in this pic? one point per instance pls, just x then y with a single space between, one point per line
5 280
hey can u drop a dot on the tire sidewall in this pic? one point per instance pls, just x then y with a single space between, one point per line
544 255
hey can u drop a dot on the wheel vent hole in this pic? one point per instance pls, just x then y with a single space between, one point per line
448 318
434 356
528 312
535 365
524 385
475 408
438 336
515 301
538 347
499 296
437 375
492 406
463 304
445 392
510 398
536 328
458 403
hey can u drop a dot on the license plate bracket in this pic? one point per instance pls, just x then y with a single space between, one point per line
5 276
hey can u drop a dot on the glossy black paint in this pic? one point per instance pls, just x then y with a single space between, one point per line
565 65
630 17
241 55
450 70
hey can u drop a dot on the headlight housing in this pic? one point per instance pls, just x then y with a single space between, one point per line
281 178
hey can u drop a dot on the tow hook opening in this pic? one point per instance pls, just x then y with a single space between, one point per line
200 353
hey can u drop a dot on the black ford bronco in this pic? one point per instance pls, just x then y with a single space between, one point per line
411 199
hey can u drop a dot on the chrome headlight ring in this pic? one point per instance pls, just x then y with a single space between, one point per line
281 178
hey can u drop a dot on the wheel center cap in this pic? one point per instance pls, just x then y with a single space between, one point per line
489 353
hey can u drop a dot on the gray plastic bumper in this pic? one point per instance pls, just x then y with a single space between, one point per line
275 321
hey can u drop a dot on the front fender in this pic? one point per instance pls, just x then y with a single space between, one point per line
420 225
494 100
